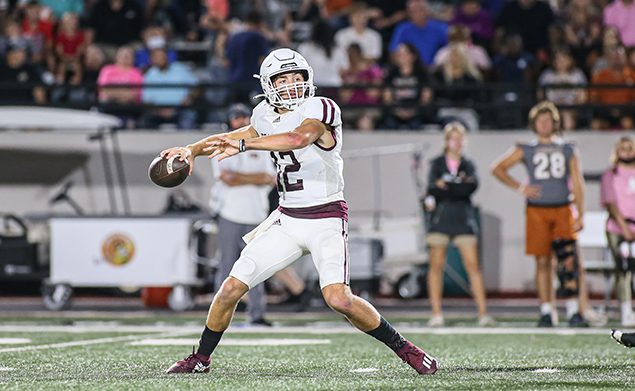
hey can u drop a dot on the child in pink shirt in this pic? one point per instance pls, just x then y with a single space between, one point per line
618 197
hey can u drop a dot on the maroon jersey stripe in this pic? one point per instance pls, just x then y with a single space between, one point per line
332 117
324 110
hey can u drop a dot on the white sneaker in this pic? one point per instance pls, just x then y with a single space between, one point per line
436 321
596 318
628 319
486 321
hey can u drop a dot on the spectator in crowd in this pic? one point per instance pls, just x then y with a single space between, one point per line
452 218
121 72
17 70
479 22
323 54
359 33
427 35
457 79
217 72
337 12
618 197
563 72
531 19
188 16
114 23
163 73
245 52
70 44
513 64
13 37
92 63
153 38
620 14
215 19
617 73
239 199
362 71
630 59
37 26
279 21
610 41
157 13
407 90
459 36
583 35
310 10
385 15
60 7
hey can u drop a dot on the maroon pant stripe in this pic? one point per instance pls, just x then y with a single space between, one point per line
345 239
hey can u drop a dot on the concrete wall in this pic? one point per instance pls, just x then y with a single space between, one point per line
506 266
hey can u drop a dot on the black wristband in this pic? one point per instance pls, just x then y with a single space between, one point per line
241 145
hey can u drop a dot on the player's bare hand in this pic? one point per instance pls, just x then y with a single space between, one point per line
184 154
222 147
440 183
578 224
629 236
531 192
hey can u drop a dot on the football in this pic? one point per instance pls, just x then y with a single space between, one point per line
168 172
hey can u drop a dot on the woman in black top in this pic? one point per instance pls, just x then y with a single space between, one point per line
407 90
451 182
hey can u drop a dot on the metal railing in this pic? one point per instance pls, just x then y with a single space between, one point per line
497 105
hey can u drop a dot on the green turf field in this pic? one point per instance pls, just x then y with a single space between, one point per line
340 359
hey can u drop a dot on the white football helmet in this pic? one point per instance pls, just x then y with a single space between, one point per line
282 61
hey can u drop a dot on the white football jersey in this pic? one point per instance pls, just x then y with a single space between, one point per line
313 175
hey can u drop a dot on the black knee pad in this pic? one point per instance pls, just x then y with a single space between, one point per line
625 261
568 270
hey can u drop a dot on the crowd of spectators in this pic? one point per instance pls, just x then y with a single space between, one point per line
398 64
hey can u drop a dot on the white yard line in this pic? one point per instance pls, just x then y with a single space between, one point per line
232 342
309 329
14 341
364 370
546 370
90 342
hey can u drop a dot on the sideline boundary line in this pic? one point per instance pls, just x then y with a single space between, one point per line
308 329
90 342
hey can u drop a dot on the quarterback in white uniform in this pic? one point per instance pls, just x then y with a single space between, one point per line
303 133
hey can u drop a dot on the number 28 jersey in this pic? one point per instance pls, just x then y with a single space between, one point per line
548 168
313 175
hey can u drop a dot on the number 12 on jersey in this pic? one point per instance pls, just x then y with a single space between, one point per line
287 162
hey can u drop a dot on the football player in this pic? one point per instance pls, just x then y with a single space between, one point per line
303 133
550 222
626 339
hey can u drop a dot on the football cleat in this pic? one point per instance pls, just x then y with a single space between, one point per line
419 360
194 363
626 339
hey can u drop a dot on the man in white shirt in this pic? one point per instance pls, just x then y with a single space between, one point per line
239 197
358 32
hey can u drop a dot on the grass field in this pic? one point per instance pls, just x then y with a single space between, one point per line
116 356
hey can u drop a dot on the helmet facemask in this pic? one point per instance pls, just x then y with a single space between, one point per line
289 96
